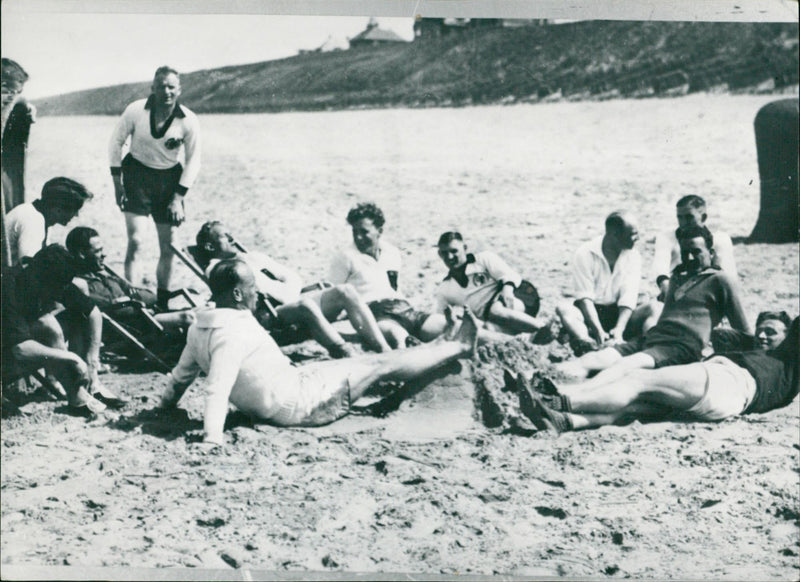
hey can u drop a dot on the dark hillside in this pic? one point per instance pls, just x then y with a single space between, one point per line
592 59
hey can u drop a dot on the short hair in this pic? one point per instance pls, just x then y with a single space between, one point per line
448 237
12 71
165 70
616 221
226 275
692 201
696 231
79 237
55 262
781 316
204 234
366 210
65 192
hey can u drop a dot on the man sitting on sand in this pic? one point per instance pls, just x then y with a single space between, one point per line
48 323
371 265
699 296
246 368
28 224
314 310
606 273
691 211
742 382
106 288
485 283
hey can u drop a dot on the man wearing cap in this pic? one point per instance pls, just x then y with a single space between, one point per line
28 224
151 179
485 283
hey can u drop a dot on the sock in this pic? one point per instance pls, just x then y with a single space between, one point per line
162 299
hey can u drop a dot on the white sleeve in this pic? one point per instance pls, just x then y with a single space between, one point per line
122 132
723 248
191 149
629 292
582 277
226 361
662 257
29 237
339 271
499 269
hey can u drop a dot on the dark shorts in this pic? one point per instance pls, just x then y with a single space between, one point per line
148 191
400 311
665 350
608 315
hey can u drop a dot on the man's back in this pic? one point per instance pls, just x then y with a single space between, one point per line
27 232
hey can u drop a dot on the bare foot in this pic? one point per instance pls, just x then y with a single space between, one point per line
451 328
468 332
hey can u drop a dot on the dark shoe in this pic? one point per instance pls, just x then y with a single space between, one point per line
341 351
89 409
542 417
557 402
112 402
543 385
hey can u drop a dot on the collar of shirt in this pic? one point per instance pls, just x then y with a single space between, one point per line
214 317
460 273
177 112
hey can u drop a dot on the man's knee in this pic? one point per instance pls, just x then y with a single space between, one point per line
565 310
135 241
308 308
48 331
347 293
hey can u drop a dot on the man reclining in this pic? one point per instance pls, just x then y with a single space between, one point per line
314 310
739 382
246 368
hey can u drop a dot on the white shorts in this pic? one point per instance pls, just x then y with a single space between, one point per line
729 390
319 397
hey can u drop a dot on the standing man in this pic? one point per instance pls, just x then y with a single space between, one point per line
485 283
18 115
691 211
606 273
151 179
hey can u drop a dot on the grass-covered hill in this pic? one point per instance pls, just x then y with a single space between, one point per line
579 60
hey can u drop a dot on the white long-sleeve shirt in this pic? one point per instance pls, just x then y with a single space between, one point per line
667 254
151 148
27 232
367 274
244 366
594 279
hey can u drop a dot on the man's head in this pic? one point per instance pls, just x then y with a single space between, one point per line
12 78
52 268
697 248
166 87
62 200
366 221
84 244
691 211
233 285
771 328
214 240
621 229
452 249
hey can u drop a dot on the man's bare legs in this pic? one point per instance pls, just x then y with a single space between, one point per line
637 393
344 297
609 364
164 267
513 321
136 226
403 365
306 312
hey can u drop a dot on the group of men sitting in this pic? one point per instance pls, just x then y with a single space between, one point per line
646 353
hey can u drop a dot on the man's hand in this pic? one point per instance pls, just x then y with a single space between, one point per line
616 336
599 335
507 296
662 287
119 191
175 210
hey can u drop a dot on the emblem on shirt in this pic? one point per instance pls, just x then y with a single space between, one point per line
479 279
173 143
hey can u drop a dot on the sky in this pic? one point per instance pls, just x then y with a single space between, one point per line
70 52
70 45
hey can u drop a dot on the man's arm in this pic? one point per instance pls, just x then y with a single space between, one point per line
661 263
226 361
339 271
733 304
122 131
583 280
723 254
629 293
592 320
30 240
499 270
180 378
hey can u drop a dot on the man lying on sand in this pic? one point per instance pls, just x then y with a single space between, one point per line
48 323
246 368
699 296
485 283
372 265
743 382
606 272
314 310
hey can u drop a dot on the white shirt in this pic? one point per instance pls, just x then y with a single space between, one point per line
243 363
285 289
483 278
27 232
668 253
365 273
153 151
594 280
